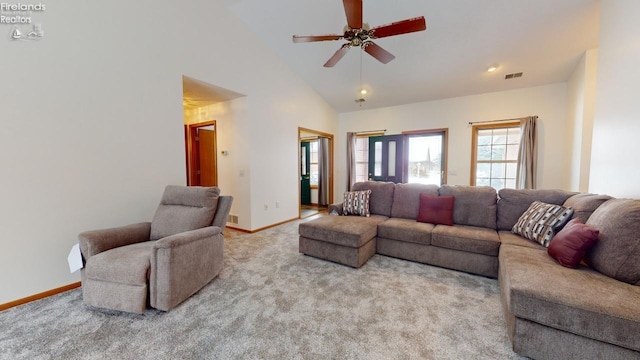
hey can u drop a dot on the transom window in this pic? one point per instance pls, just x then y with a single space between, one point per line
495 155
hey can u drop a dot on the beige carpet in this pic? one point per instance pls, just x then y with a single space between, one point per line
271 302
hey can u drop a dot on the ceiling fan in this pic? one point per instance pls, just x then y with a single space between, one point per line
358 33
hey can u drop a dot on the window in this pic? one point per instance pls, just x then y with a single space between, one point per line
362 158
495 154
313 163
425 157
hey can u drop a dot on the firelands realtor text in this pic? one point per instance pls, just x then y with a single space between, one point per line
18 13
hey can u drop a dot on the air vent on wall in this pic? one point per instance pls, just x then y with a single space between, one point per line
233 219
511 76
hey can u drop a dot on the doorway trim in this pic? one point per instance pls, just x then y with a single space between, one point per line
331 162
192 154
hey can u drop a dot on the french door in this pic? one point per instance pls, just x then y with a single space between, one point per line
411 157
385 158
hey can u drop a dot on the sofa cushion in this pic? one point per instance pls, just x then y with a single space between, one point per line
542 221
356 203
406 230
580 301
436 209
466 238
572 242
184 208
508 238
406 199
350 231
584 205
617 252
381 197
125 264
475 205
513 203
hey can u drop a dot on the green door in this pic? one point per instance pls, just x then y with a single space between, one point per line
305 169
385 158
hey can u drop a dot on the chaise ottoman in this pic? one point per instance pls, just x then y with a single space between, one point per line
347 240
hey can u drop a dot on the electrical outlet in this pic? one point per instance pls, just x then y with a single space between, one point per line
277 205
266 207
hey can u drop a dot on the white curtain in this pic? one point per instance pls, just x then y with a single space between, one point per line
527 154
323 171
351 159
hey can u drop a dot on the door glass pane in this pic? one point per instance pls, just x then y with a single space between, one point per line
303 161
391 171
377 171
425 159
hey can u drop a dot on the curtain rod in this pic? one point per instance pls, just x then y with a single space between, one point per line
492 121
371 131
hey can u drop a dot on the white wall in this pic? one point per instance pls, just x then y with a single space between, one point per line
614 159
548 102
581 93
92 125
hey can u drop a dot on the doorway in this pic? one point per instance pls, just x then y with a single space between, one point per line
315 171
202 161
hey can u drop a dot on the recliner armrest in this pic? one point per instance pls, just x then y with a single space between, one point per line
187 237
182 264
96 241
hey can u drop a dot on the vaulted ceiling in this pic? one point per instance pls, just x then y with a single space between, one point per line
543 39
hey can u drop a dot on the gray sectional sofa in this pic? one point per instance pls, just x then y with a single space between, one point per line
551 311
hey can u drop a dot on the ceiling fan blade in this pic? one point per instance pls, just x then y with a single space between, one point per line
337 56
312 38
400 27
377 52
353 9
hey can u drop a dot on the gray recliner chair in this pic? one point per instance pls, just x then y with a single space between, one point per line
159 263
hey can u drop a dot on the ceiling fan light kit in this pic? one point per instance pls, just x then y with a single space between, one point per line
359 34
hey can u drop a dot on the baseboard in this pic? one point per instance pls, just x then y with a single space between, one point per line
262 228
39 296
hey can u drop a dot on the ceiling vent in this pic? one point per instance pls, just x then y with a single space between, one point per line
511 76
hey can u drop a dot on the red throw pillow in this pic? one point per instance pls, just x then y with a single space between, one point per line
436 209
572 242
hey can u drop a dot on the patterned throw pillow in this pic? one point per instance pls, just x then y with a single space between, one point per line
542 221
356 203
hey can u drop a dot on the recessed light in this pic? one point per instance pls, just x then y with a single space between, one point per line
363 92
492 68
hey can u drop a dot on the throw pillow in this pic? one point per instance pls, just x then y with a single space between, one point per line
356 203
436 209
572 242
542 221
